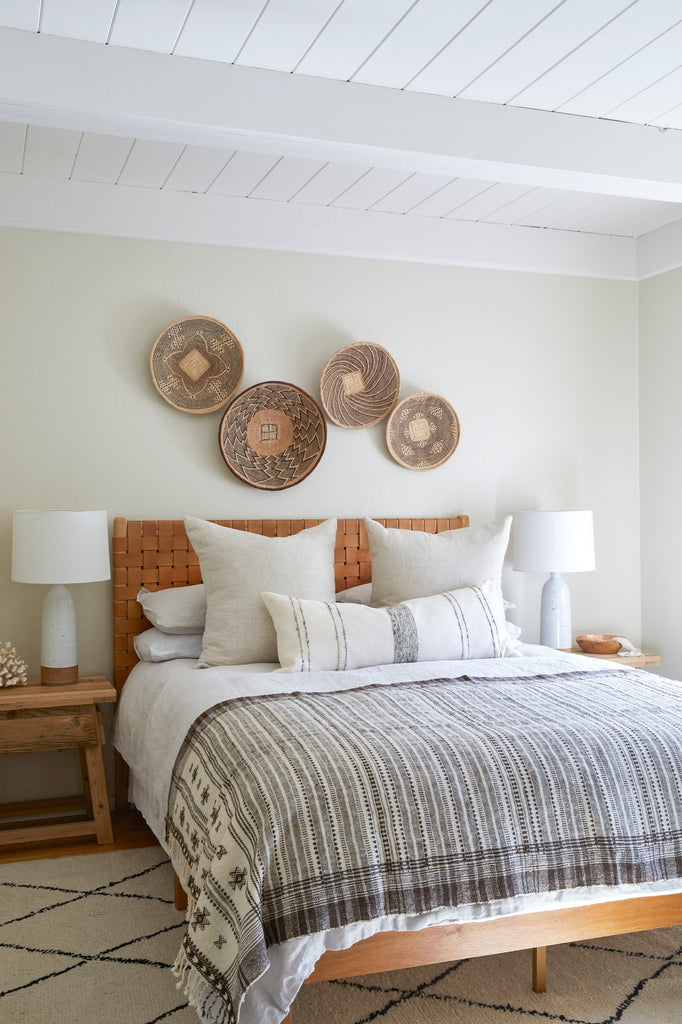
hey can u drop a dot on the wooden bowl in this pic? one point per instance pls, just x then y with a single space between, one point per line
598 643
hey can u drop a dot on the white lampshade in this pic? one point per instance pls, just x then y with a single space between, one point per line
553 542
60 547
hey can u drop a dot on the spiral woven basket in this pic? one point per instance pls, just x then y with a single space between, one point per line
360 385
422 431
272 435
197 364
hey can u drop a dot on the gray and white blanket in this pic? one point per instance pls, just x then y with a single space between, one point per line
295 813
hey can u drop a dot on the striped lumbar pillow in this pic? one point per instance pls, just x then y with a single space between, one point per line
457 624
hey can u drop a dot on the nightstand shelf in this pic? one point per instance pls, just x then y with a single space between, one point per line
641 662
45 719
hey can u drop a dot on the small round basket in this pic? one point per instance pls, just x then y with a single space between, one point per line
598 643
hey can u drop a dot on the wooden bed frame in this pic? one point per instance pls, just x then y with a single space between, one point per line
157 554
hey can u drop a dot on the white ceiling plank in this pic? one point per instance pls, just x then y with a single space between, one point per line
242 174
617 217
487 38
623 83
80 19
50 152
179 216
639 24
101 157
370 188
22 14
216 30
148 24
554 213
553 39
12 138
44 79
149 163
486 203
411 193
448 198
651 103
525 207
415 41
285 179
329 183
284 32
356 29
197 168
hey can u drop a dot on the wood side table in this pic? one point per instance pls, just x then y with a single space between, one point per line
633 662
42 719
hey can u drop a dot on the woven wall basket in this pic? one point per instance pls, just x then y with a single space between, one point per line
360 385
272 435
422 431
197 364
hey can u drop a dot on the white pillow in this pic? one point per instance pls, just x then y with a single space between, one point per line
176 609
458 624
153 645
236 566
410 563
360 594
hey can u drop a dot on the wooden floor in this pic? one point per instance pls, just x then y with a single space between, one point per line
130 832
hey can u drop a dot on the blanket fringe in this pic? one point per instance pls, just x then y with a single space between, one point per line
208 1004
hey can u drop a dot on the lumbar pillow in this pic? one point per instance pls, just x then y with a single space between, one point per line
409 563
236 566
458 624
175 609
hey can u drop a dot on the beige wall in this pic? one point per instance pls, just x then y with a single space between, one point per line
661 476
541 369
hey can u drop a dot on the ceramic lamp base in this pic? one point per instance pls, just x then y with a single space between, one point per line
555 613
58 644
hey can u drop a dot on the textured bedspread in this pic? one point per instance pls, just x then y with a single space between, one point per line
294 813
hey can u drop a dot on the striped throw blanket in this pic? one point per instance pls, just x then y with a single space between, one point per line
296 813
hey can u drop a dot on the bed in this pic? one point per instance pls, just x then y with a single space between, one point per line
159 701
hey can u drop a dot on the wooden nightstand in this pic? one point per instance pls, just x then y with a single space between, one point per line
642 662
40 719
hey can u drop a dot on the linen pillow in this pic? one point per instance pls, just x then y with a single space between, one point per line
410 563
458 624
236 566
153 645
175 609
361 594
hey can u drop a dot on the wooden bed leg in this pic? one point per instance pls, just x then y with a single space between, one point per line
179 894
540 969
288 1019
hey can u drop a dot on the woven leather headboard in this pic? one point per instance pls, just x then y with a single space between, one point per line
156 553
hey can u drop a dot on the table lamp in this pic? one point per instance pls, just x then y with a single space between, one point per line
57 548
554 542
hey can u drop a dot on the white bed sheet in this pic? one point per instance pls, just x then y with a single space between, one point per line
160 702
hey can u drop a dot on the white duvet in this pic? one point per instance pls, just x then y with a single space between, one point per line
160 702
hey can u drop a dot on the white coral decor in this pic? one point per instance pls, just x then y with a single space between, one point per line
13 670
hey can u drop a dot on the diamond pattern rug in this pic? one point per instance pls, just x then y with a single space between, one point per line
91 939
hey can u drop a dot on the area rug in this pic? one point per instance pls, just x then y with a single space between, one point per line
91 939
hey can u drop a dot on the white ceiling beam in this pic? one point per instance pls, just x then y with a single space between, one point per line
71 83
118 210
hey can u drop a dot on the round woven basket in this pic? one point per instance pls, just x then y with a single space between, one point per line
360 385
197 364
272 435
422 431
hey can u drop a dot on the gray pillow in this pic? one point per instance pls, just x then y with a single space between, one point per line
237 566
175 609
154 645
410 563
